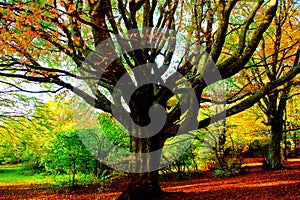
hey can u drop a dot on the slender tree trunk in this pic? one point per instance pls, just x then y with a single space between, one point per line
285 149
74 173
294 145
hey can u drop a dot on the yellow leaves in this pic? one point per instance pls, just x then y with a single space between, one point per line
37 17
41 73
51 73
38 26
74 19
34 72
272 2
255 54
19 25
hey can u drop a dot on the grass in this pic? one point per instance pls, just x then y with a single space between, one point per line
12 175
17 175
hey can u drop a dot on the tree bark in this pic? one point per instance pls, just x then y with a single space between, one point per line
143 179
144 185
285 148
273 160
274 157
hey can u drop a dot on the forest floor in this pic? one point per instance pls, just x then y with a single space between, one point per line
256 184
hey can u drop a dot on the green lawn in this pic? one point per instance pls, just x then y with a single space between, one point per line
16 174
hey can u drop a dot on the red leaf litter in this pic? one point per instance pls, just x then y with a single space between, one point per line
255 184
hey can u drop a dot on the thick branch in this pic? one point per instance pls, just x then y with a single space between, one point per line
249 102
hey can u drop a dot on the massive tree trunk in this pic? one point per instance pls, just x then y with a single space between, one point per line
142 186
143 176
144 183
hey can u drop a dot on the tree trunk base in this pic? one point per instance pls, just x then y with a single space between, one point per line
267 166
150 192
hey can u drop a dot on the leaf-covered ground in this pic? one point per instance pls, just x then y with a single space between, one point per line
257 184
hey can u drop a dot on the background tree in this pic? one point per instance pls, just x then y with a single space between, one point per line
279 51
291 124
17 119
48 42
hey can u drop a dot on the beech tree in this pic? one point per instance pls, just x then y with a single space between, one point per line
278 52
49 42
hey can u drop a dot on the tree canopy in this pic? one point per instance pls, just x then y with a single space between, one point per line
60 43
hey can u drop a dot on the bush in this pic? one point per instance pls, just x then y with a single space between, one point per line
234 167
69 156
260 148
209 162
225 172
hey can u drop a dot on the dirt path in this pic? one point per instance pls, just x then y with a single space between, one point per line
281 184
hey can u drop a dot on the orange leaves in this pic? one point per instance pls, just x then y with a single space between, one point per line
27 62
24 29
55 11
8 8
47 53
33 72
41 73
62 3
37 17
19 25
46 19
71 8
77 40
30 20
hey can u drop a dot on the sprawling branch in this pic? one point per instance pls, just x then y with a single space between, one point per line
250 101
236 63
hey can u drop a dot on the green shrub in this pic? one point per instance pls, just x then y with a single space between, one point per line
234 166
69 156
